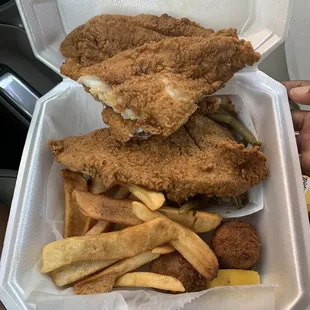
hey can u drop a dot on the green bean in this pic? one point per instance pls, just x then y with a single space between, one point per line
242 130
245 143
189 206
238 202
245 198
228 108
226 199
222 111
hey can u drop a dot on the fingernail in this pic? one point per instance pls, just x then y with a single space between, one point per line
300 91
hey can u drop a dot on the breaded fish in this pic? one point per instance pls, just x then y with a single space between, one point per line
125 129
105 35
159 84
199 158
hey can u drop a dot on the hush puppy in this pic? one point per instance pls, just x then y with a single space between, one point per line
236 245
175 265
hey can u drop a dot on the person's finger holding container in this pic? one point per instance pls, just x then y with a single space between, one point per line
299 92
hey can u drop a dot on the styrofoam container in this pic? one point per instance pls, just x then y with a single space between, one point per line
47 22
282 224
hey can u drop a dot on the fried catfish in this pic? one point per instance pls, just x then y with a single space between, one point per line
200 157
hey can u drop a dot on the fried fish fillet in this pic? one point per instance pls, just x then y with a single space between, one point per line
125 129
105 35
122 129
198 158
159 84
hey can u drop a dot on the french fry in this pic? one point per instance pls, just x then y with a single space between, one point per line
78 271
101 207
154 200
196 252
104 226
114 245
164 249
188 206
75 223
191 246
198 221
104 281
100 227
97 186
150 279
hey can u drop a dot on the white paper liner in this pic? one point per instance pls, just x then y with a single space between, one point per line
42 292
72 111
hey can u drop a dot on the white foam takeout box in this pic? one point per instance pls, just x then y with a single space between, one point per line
68 110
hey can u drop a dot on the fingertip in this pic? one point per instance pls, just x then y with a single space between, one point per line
300 95
305 163
293 84
300 91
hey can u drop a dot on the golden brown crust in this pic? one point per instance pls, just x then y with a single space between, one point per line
175 265
162 82
105 35
125 129
122 129
196 159
214 58
170 63
236 245
159 67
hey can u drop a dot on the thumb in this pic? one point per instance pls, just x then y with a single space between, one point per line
300 94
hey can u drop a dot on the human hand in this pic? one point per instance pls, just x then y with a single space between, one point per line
299 92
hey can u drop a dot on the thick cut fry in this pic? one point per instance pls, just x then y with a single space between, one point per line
114 245
198 221
191 246
150 279
122 193
190 205
101 207
78 271
154 200
103 282
100 227
164 249
196 252
97 186
104 226
76 223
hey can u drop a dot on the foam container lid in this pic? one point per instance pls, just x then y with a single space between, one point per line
47 22
282 225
